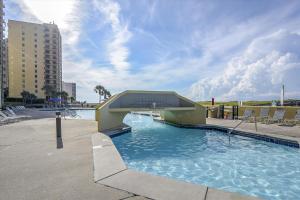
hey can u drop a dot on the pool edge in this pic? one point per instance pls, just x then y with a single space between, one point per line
267 137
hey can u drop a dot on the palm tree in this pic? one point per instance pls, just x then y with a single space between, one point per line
49 91
72 99
64 95
100 90
106 94
25 95
32 97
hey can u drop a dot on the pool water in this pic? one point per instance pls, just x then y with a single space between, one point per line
247 166
86 114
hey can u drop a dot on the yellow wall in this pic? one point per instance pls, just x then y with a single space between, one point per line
195 117
290 111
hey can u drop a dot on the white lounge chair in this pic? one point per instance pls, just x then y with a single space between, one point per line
247 114
263 115
277 117
13 114
5 116
292 122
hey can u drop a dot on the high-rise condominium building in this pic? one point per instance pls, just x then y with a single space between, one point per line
34 58
5 65
70 88
1 51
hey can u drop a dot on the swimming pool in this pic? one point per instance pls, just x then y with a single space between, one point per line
247 166
86 114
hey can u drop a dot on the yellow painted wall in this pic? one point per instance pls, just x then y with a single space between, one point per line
289 113
195 117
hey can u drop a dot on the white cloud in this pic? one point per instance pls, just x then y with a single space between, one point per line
117 51
259 72
265 64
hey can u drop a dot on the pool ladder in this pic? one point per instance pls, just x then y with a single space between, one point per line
231 130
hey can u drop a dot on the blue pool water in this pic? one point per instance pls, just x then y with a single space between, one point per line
247 166
86 114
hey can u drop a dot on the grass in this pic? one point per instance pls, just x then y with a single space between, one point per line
235 103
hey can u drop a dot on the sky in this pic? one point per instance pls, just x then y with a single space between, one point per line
230 50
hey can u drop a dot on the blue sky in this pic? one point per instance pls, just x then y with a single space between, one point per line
230 50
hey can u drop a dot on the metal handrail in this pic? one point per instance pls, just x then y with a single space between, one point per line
231 130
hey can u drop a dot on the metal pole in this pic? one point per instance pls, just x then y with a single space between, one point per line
58 125
255 123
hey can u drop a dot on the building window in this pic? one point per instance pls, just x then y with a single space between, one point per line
23 55
35 40
36 91
36 86
35 46
23 70
35 55
35 66
23 65
23 45
35 81
23 33
23 38
35 34
35 71
35 76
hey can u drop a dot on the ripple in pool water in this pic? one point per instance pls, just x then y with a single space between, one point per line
246 165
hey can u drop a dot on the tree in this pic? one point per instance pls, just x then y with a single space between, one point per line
106 94
99 89
25 95
32 97
50 91
72 99
64 95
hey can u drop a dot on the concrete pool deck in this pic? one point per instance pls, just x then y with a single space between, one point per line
273 130
33 168
88 166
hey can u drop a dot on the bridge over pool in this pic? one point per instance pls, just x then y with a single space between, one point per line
171 106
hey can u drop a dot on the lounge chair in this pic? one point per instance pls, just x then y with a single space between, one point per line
13 114
277 117
247 114
5 116
292 122
263 115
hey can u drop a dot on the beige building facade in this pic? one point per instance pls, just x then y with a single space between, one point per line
34 58
69 88
5 65
1 51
